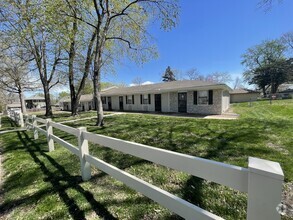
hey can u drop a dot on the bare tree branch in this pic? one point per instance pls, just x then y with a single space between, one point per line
122 39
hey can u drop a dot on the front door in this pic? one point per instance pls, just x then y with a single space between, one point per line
109 104
121 103
158 103
182 102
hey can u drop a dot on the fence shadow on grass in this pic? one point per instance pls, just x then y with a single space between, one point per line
7 123
68 182
219 147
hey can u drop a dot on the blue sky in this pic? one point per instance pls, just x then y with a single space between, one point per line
211 36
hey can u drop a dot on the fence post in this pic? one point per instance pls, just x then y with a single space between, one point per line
35 124
49 129
20 122
14 117
265 179
26 120
83 149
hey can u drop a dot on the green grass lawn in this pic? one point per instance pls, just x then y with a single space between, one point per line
43 185
7 124
61 116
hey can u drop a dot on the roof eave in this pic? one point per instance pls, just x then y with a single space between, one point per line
153 91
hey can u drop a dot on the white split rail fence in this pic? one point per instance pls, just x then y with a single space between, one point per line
0 119
262 180
16 116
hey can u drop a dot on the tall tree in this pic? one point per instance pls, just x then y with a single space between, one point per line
121 30
31 25
263 65
238 83
168 76
194 74
88 87
80 48
219 77
63 94
287 40
216 77
16 78
137 81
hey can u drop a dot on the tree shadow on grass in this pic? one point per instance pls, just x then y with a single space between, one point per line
7 122
68 182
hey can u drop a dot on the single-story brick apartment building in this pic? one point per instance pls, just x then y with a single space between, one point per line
243 95
186 96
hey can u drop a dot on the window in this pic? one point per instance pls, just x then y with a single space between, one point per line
145 99
203 97
130 99
104 100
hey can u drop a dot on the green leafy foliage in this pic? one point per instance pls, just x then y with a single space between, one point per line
266 65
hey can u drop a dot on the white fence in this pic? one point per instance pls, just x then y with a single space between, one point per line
262 180
0 119
16 116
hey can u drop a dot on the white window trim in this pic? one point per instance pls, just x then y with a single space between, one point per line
198 92
129 100
145 99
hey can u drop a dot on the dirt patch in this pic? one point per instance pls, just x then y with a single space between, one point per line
278 148
287 199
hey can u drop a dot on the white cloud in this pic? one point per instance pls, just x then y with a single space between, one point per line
147 83
144 83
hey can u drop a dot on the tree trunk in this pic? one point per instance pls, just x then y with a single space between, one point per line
22 102
74 107
72 54
274 88
264 91
75 93
49 112
98 101
97 77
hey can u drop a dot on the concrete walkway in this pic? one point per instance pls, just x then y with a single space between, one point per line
88 118
224 116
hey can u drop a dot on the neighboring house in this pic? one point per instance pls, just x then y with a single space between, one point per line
13 106
85 103
286 94
35 102
243 95
64 103
12 102
190 96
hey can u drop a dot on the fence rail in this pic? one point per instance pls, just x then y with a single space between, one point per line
235 177
65 144
262 180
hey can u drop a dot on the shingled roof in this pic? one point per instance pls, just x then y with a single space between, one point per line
182 85
165 87
243 91
35 98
